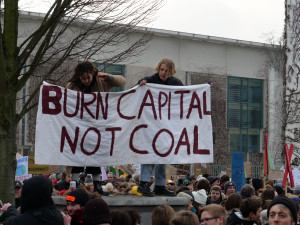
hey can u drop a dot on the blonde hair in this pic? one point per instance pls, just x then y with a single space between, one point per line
169 63
214 210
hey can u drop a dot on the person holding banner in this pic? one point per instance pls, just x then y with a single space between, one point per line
87 79
165 70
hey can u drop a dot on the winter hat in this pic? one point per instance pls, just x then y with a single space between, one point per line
227 185
212 179
36 193
186 194
286 202
95 212
108 187
18 184
78 196
200 196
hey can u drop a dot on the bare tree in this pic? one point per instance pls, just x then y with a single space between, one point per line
71 29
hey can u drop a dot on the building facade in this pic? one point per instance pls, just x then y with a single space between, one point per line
242 83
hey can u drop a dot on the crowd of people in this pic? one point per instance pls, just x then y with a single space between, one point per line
211 201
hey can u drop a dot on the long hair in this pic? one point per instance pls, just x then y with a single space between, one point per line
169 63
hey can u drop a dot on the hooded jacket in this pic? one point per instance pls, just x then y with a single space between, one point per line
37 206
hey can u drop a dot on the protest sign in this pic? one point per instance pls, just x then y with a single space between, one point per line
147 124
22 169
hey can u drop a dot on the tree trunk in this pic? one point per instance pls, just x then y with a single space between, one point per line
8 147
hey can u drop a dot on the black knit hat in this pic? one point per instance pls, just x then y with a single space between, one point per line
212 179
78 196
227 185
286 202
95 212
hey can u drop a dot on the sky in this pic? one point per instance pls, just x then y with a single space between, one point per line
249 20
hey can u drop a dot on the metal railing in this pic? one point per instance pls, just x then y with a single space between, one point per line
216 170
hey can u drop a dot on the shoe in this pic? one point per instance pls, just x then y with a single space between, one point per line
161 190
145 190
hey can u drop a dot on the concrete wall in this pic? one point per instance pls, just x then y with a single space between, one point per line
144 205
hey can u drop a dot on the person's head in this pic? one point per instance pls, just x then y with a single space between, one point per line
135 216
66 177
251 208
165 68
110 177
18 189
268 194
76 200
282 211
215 193
96 212
162 214
247 191
234 201
270 182
84 72
224 178
36 193
203 183
256 183
184 218
212 214
189 195
214 180
120 217
229 188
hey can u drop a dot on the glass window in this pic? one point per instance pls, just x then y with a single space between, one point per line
244 113
113 70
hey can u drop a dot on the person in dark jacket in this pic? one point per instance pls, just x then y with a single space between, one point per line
250 213
165 70
37 206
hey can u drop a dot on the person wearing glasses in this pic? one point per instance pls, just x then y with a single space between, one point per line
212 214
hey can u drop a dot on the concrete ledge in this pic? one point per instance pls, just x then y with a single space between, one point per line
144 205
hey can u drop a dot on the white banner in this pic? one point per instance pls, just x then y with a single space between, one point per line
144 125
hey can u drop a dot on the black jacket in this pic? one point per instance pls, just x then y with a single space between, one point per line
37 206
235 218
156 80
41 216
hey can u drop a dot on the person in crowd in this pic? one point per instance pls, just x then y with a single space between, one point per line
162 214
189 195
233 203
214 180
96 212
216 196
249 213
37 206
185 218
120 217
110 178
165 70
200 196
76 201
269 194
247 191
212 214
223 179
264 217
135 216
18 191
282 211
229 188
87 79
256 183
64 183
